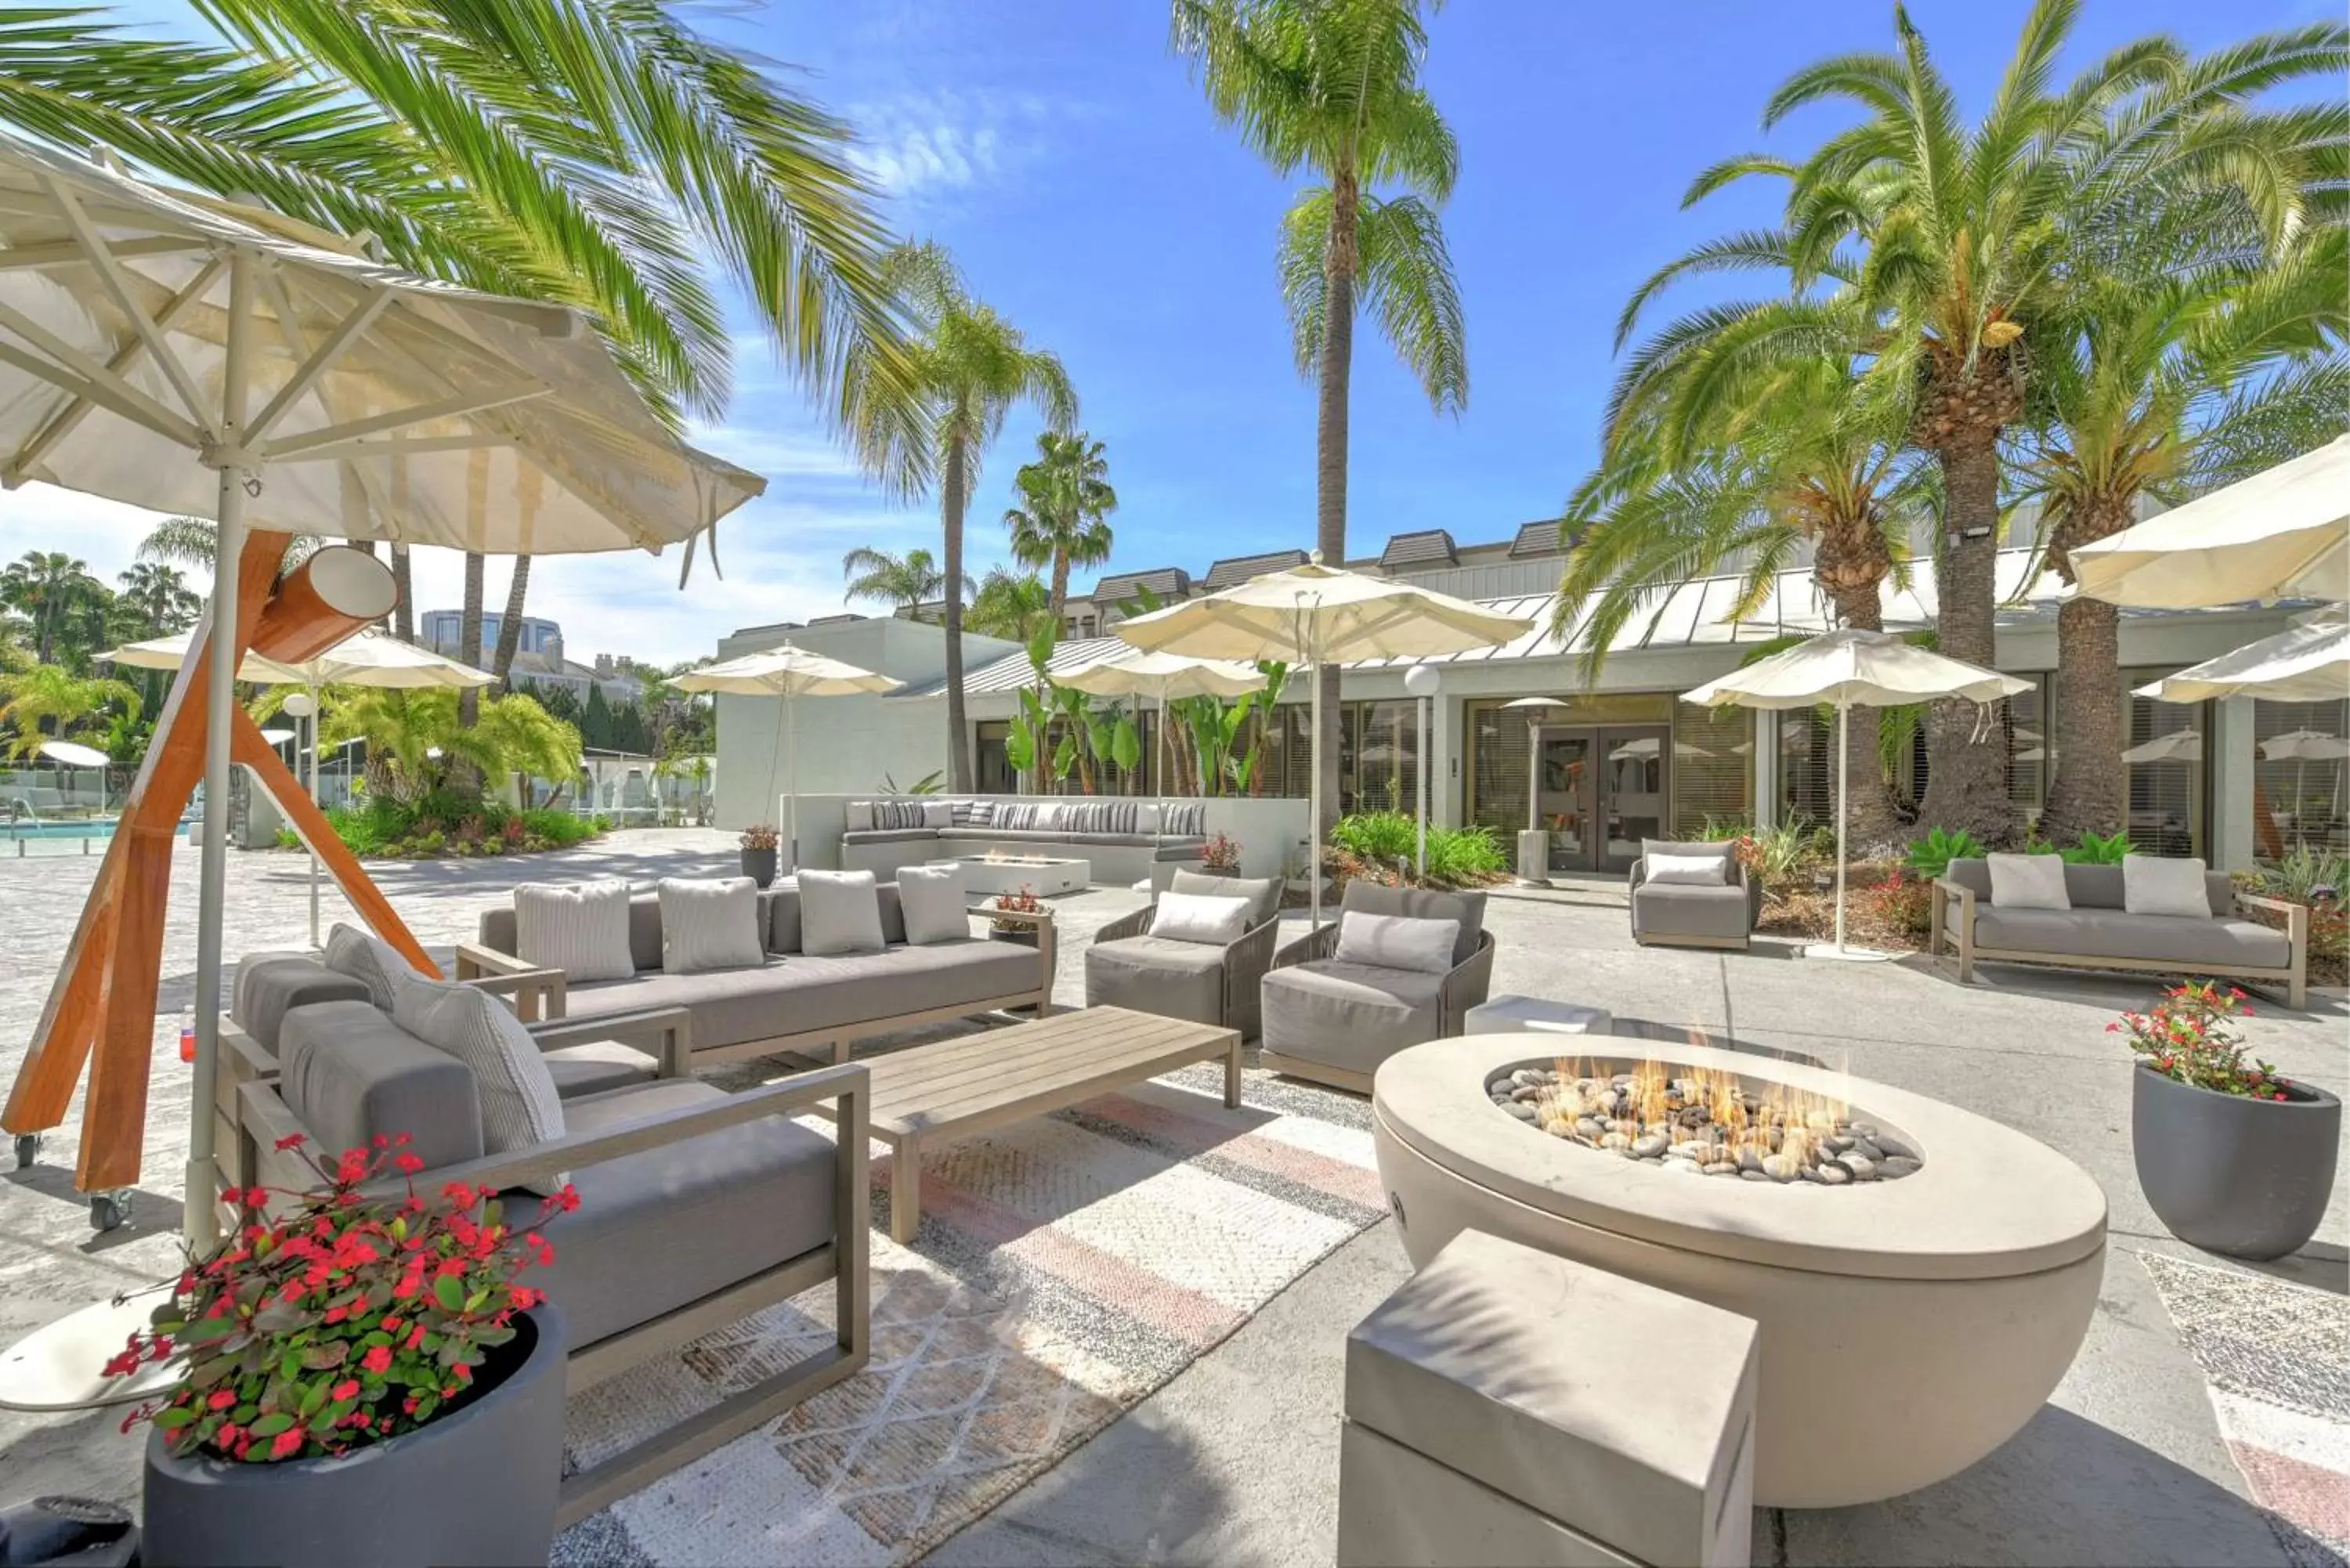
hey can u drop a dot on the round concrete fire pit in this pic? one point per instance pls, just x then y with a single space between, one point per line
1908 1327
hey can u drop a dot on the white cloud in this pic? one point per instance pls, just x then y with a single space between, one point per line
925 149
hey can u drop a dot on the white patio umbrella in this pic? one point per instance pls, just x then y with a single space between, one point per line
2283 533
73 754
1873 668
370 659
2178 746
1314 615
2301 748
1165 676
789 673
2306 663
189 355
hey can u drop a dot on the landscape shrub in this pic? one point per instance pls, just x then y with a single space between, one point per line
443 824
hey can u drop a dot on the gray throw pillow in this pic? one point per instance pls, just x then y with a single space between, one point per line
710 924
581 929
840 912
936 909
1396 941
370 960
520 1109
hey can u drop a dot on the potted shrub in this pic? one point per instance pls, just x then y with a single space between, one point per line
1024 902
1221 857
364 1382
2232 1158
759 842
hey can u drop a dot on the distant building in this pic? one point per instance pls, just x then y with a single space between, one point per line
538 655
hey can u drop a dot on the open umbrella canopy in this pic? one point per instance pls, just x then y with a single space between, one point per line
2178 746
1315 614
2281 535
370 659
2304 746
2308 663
1169 677
1872 668
784 671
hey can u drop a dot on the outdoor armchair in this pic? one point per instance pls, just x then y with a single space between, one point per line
1207 983
1686 915
1334 1022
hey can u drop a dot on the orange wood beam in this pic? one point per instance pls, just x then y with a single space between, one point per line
114 1114
330 598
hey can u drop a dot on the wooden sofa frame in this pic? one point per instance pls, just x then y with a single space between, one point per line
1953 928
1451 1000
543 991
842 1261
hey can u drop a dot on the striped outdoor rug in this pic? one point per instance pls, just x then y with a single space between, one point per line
1066 1268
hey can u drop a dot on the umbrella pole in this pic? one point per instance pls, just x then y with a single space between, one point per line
1314 792
1158 834
314 801
1844 797
792 735
200 1212
1419 774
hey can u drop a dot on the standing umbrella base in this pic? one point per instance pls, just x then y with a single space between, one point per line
60 1366
1846 950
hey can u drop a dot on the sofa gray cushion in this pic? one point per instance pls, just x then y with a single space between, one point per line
370 960
893 835
1348 1016
2115 933
840 912
348 1074
1157 975
269 985
1424 904
581 929
659 1229
1264 893
597 1067
1668 909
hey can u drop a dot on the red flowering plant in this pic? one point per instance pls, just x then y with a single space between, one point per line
334 1319
2190 1036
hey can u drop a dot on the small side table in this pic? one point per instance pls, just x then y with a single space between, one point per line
1511 1013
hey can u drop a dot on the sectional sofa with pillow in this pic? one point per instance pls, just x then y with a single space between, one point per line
834 963
2149 913
1123 839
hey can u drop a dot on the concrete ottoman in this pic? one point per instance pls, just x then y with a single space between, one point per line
1513 1014
1511 1407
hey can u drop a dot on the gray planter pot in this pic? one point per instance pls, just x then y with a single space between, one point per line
1204 869
477 1486
759 864
2246 1177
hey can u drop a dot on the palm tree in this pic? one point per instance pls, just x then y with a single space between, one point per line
1332 88
403 586
906 582
594 156
53 590
972 366
1956 238
469 639
194 542
2165 383
1012 606
157 599
1064 497
510 623
46 701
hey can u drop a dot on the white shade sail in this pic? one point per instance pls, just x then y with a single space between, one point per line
781 672
1316 615
370 659
1871 668
2304 664
1169 677
2281 535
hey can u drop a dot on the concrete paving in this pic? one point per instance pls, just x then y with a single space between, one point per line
1236 1461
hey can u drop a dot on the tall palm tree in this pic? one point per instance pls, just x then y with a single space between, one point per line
194 541
403 587
52 590
972 366
469 639
1065 498
510 623
2164 384
157 598
1332 88
1957 236
906 582
584 153
46 701
1014 606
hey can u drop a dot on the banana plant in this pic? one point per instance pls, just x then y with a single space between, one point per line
1023 745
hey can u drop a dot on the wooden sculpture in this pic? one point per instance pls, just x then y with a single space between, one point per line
101 1006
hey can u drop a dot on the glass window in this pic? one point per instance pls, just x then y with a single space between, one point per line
2298 785
1713 767
2168 770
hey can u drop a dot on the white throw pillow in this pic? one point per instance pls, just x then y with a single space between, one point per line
1690 871
370 960
1048 817
856 816
710 923
1396 941
581 929
1146 819
935 905
520 1109
2029 882
2156 885
938 814
840 912
1213 919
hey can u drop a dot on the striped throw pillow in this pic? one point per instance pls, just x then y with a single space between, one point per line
581 929
370 960
982 814
520 1109
710 923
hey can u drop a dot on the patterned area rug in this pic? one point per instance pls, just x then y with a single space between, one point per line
1066 1268
2276 1356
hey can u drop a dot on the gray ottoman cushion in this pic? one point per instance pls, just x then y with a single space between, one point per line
269 985
1674 909
656 1230
1348 1015
1158 975
349 1074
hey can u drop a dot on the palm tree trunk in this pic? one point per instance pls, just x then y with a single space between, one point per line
1330 448
510 624
1966 784
404 612
469 639
2090 792
1873 819
1060 587
953 498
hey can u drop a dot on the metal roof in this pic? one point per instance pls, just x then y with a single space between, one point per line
1235 569
1426 547
841 620
1012 671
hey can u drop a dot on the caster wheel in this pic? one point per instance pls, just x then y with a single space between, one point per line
28 1149
108 1210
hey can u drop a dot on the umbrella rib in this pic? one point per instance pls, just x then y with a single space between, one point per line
70 417
289 331
118 288
351 430
70 253
72 371
322 359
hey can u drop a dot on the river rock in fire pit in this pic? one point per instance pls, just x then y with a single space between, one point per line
1867 1150
1648 1146
1894 1165
1862 1169
1518 1108
1782 1167
1833 1175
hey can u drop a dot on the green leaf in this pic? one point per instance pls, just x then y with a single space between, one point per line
269 1425
448 1293
178 1416
205 1329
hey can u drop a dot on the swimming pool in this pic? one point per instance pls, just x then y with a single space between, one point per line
24 839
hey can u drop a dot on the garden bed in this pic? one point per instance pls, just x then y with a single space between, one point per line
453 829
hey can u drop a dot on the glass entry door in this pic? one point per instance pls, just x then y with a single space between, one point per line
1566 782
1599 791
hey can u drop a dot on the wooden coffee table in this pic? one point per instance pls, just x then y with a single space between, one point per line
932 1094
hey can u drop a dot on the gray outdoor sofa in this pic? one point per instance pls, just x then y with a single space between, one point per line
1334 1022
1123 840
1686 915
1208 983
794 1003
697 1207
2099 932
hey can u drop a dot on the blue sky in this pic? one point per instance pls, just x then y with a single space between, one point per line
1074 170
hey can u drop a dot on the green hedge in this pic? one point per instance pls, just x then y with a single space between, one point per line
441 827
1454 854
